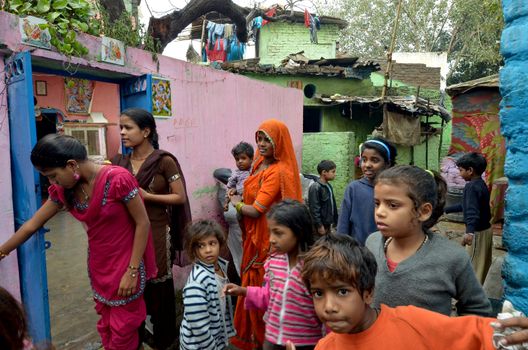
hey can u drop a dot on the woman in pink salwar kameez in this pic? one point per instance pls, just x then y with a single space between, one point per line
120 251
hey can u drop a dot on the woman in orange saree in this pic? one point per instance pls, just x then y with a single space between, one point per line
274 177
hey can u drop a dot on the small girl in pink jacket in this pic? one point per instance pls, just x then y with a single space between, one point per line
290 314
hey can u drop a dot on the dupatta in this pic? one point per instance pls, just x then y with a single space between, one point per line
283 152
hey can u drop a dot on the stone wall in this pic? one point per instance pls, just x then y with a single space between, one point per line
279 39
514 126
336 146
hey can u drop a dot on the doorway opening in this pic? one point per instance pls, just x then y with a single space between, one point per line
312 119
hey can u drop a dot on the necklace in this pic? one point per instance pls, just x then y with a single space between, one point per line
140 159
387 242
86 197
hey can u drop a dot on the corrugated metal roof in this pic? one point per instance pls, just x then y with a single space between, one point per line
491 81
295 65
405 104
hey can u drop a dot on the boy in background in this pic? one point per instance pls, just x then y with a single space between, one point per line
475 206
340 275
321 199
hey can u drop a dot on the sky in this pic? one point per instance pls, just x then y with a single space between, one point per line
177 49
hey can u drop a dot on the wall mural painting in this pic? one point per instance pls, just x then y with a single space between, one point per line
112 51
34 32
79 93
161 98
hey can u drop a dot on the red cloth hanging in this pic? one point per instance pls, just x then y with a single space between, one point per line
269 13
306 18
218 53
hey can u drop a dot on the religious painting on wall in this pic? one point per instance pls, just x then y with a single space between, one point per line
79 93
161 98
112 51
34 32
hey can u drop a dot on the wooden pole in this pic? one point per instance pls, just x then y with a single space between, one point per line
391 49
202 38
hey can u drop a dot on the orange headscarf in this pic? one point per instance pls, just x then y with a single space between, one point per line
283 151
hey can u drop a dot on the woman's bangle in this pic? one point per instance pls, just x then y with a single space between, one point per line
239 206
132 267
3 255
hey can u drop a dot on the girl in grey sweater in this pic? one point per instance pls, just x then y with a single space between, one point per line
415 266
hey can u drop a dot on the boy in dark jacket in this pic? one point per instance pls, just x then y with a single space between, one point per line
477 216
321 199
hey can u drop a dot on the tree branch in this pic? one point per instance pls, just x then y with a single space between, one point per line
166 28
114 8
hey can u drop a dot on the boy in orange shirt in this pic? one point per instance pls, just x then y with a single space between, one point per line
340 274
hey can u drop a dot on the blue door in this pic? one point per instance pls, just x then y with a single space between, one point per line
137 92
26 194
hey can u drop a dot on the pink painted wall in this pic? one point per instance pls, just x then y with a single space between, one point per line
212 111
105 99
9 266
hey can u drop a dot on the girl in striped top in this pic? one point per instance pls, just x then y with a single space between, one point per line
208 315
290 315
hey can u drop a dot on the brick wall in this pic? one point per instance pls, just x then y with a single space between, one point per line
336 146
514 126
414 74
279 39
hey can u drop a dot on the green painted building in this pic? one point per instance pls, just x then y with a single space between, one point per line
279 39
334 128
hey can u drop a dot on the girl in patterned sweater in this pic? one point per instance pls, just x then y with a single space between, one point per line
208 315
290 315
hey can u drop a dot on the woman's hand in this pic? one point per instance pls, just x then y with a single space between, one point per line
290 345
144 194
127 286
235 199
233 289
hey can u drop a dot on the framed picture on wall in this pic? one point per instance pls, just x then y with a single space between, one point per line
32 34
161 98
41 88
112 51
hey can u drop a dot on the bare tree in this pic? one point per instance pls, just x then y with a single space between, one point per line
166 28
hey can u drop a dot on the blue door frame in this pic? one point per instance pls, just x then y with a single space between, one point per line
135 92
26 194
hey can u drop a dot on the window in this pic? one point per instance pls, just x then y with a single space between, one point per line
92 136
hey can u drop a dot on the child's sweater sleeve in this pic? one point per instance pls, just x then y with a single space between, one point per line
195 331
257 297
314 205
233 179
471 298
343 223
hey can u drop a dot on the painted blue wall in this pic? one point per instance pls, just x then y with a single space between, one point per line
514 126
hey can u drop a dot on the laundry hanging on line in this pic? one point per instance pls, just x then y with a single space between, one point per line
222 43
